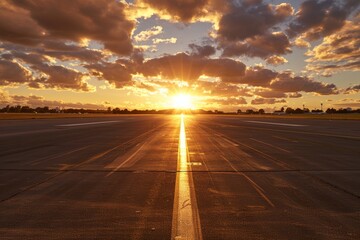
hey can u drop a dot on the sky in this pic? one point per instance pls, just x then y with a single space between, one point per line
157 54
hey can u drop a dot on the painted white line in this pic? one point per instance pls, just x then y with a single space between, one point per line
268 144
88 123
257 188
281 124
186 220
126 161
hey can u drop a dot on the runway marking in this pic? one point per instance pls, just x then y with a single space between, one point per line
186 220
283 138
38 161
280 124
259 189
228 141
127 160
268 144
83 124
194 163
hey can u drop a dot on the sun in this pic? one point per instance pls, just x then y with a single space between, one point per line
182 101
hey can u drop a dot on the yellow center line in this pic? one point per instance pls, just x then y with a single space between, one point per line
186 221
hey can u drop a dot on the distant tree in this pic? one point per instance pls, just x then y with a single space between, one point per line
331 110
298 111
116 110
289 110
26 109
239 111
316 111
261 111
282 109
249 111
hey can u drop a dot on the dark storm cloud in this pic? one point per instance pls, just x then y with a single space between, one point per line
33 21
318 18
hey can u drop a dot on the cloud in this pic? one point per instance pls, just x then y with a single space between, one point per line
190 67
164 40
338 52
16 24
287 82
202 51
178 10
116 73
249 29
220 89
260 101
30 22
39 101
60 77
251 19
317 18
55 49
229 101
268 93
40 73
345 103
301 43
259 46
276 60
352 90
294 95
13 72
258 76
147 34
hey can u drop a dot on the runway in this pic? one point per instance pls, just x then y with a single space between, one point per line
179 177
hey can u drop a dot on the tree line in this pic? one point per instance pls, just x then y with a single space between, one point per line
288 110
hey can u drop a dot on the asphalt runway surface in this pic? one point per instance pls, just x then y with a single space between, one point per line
179 177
